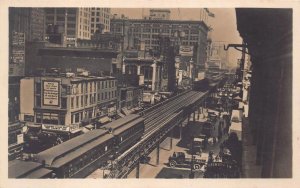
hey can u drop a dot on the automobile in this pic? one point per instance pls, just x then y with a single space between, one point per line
179 159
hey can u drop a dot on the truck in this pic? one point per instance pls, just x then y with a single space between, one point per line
179 159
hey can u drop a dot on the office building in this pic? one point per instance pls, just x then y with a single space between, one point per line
145 34
75 22
100 20
67 100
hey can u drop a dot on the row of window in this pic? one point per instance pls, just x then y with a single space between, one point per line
50 118
85 100
87 158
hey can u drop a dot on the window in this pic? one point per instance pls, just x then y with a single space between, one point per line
63 102
77 101
38 117
77 118
72 102
86 99
81 100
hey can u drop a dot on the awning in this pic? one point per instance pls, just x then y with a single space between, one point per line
75 131
121 114
104 119
84 130
90 127
125 111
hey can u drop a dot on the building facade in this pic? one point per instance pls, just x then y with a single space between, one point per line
100 20
75 22
218 57
25 25
67 100
145 34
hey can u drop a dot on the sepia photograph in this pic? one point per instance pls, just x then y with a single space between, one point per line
112 92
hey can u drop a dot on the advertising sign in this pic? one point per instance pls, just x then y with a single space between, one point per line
186 50
17 54
51 93
20 138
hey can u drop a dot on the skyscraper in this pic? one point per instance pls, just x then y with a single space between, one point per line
100 20
74 21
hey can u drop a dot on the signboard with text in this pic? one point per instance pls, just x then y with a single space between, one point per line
17 54
51 93
186 50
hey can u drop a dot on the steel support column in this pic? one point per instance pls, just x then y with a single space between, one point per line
180 131
194 116
157 154
171 139
137 173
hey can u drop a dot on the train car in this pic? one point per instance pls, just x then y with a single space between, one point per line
127 131
28 169
201 85
78 157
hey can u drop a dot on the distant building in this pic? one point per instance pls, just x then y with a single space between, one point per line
30 21
25 25
148 70
145 34
160 14
75 22
100 20
130 99
218 57
97 61
67 100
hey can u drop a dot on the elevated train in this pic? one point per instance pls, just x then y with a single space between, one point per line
78 157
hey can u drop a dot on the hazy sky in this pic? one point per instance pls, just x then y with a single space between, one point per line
223 24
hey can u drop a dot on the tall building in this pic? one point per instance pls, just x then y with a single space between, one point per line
218 57
146 33
160 14
25 25
100 20
30 21
75 22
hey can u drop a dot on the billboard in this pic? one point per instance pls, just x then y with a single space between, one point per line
186 50
51 93
17 54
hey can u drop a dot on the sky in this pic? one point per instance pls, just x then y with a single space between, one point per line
223 24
